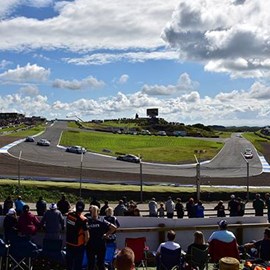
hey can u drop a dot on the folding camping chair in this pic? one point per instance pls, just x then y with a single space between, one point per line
110 255
170 259
20 253
3 252
138 245
52 251
199 258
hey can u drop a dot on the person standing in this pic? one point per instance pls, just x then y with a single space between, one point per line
161 210
113 220
104 207
220 208
179 207
10 225
169 207
19 203
267 204
41 206
77 236
190 207
100 230
8 203
258 205
199 209
152 205
95 202
63 205
53 222
120 209
28 223
233 206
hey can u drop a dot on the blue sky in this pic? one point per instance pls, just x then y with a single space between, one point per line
203 61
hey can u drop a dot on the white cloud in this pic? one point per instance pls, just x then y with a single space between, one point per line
238 107
123 79
184 84
31 90
134 57
27 73
4 63
91 24
89 82
228 36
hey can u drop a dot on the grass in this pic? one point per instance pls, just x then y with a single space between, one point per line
152 148
29 132
255 140
13 128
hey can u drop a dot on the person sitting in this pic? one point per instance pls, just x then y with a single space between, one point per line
222 243
125 259
262 246
199 209
63 205
152 205
169 244
28 223
198 243
220 208
120 209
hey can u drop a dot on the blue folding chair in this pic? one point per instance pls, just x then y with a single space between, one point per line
170 259
110 255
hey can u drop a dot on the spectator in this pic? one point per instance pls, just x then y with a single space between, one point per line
8 203
161 210
125 201
136 212
169 207
28 223
190 208
63 205
53 222
262 246
258 205
125 259
179 207
99 230
267 204
120 209
77 236
220 208
199 209
222 234
113 220
10 225
233 206
199 243
41 206
131 208
152 205
104 208
241 207
95 202
169 244
19 203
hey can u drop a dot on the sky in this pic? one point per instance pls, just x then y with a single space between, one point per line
203 61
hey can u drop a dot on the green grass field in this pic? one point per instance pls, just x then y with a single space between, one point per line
152 148
255 140
29 132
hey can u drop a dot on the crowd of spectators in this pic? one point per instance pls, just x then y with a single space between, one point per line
98 226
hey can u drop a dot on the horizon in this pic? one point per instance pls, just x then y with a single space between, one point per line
199 62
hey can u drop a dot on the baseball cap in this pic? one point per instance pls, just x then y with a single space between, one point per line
222 223
11 211
53 206
79 206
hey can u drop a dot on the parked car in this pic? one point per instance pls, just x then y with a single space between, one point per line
43 142
248 154
129 158
77 149
29 139
162 133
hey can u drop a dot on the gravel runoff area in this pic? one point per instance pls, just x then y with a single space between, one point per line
9 168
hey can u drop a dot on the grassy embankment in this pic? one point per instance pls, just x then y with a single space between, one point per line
28 132
152 148
255 140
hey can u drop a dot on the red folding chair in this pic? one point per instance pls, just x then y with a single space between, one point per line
139 247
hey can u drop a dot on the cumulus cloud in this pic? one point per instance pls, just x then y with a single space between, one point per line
4 63
91 24
238 107
27 73
31 90
228 36
89 82
184 84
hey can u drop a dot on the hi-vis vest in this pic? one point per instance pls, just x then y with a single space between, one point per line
75 232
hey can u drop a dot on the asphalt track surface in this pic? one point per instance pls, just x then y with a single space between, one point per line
53 161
